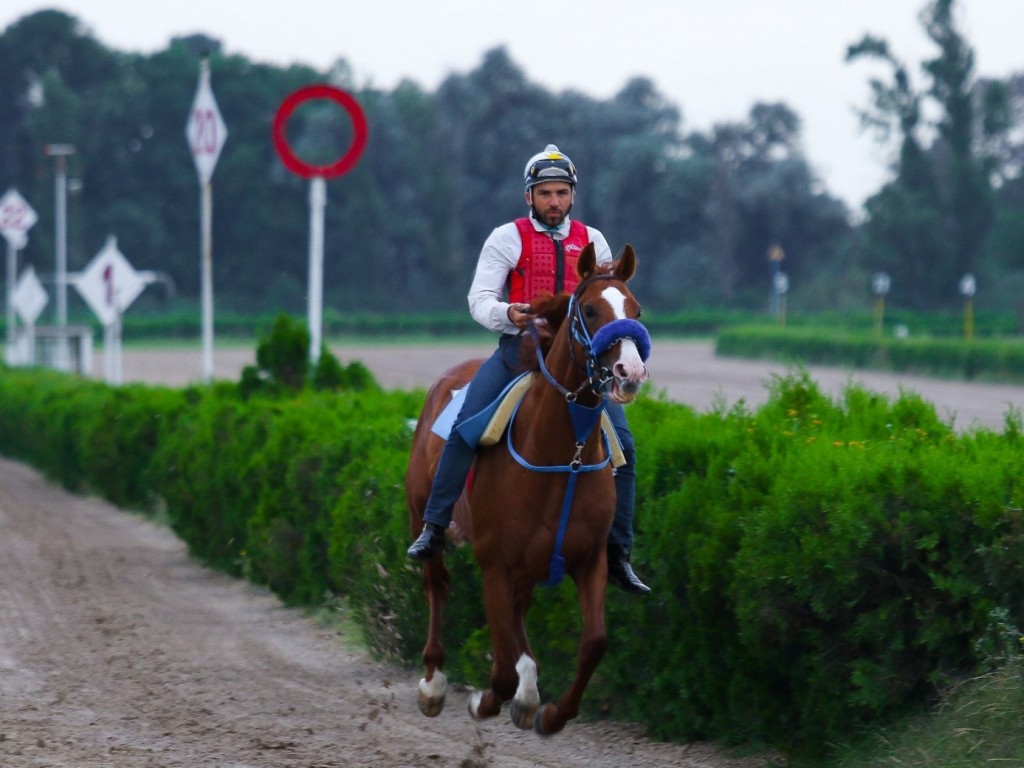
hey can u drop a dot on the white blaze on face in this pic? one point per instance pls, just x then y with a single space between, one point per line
617 300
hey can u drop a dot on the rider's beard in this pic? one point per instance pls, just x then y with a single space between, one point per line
551 218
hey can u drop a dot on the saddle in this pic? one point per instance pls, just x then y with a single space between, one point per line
487 427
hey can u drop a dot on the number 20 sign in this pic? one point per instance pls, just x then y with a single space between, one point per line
205 129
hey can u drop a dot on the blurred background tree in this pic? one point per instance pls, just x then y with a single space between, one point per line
929 225
443 167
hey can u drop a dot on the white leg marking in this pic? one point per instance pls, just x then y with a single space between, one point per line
474 704
527 694
434 689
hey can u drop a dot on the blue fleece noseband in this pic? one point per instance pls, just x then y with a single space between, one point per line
609 335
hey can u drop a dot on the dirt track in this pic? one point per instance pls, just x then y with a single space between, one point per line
118 651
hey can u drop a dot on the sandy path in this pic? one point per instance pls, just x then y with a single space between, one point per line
118 651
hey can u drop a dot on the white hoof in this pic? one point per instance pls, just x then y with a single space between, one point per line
527 699
432 694
474 705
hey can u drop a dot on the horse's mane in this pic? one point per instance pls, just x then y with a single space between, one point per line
549 312
552 310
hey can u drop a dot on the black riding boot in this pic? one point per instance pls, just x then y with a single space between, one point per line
429 543
620 572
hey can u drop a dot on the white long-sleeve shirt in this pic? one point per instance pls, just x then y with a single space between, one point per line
498 258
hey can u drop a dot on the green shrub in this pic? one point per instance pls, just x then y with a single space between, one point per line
998 359
282 365
282 356
329 374
819 565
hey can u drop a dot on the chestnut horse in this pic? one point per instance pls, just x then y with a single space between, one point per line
545 488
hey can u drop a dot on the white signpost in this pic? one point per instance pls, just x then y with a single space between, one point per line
318 174
109 285
206 134
61 152
16 219
29 298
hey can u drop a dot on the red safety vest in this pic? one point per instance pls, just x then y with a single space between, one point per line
546 264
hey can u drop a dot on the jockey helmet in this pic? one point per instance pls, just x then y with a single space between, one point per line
549 165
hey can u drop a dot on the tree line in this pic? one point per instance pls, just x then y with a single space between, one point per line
702 208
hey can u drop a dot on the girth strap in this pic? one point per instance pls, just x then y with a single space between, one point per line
584 418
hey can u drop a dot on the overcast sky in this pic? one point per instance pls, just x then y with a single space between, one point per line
711 58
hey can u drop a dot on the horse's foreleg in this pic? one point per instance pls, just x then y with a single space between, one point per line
551 718
501 619
434 685
527 699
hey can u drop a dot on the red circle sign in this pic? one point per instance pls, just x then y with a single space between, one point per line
347 161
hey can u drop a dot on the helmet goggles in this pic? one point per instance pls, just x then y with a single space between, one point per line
550 165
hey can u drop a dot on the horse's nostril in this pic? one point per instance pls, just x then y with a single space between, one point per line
624 372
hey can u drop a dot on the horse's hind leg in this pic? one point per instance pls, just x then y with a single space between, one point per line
551 718
434 685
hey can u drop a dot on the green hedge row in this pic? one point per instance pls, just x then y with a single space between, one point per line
818 565
996 359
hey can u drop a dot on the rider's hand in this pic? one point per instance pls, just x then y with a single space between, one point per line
544 332
520 314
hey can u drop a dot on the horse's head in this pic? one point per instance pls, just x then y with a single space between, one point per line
604 326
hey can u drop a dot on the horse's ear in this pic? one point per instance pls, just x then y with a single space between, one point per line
587 262
625 267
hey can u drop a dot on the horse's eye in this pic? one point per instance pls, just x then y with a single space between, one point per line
589 311
639 312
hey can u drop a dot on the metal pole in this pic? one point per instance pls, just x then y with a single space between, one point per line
206 272
12 271
61 202
775 290
60 152
30 345
108 353
117 378
317 203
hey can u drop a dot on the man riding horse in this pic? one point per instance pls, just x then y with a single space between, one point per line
528 256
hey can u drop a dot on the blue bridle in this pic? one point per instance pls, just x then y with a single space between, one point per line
607 336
